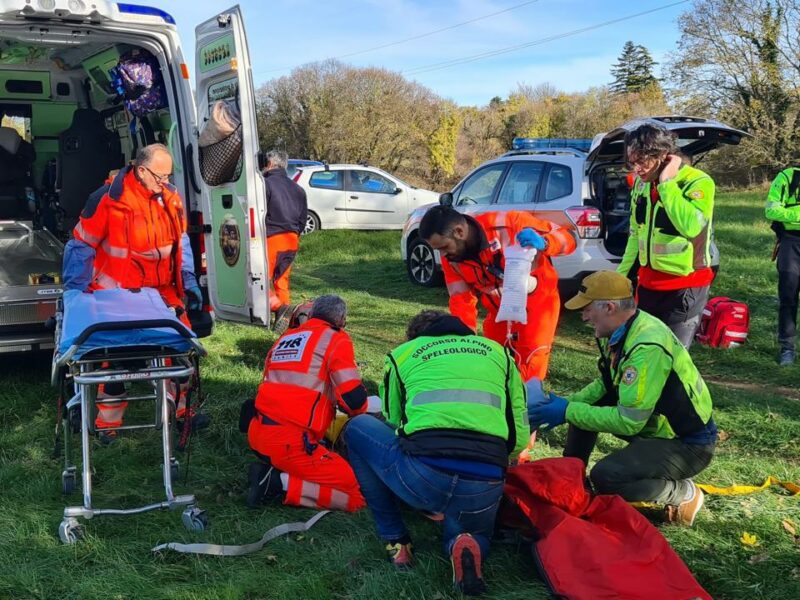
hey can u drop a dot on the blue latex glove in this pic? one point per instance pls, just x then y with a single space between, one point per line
194 298
530 239
536 395
550 414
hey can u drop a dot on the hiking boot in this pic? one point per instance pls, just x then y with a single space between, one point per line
199 421
107 437
786 358
465 556
264 483
685 512
400 555
282 317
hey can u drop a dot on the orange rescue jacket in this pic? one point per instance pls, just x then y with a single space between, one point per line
482 274
136 236
308 372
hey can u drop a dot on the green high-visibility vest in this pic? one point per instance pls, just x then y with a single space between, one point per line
659 391
672 234
454 382
783 200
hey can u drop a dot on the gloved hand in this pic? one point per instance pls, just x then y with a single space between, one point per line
194 298
374 404
528 238
536 394
550 414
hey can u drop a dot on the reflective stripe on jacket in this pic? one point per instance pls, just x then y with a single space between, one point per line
483 274
136 237
308 371
454 384
673 233
659 391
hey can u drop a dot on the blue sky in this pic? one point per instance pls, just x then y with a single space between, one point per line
288 33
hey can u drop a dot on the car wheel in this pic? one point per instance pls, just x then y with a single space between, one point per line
312 223
421 265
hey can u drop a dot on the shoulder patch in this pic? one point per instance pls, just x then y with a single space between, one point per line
696 195
629 375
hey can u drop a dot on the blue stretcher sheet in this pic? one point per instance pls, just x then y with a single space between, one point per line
114 306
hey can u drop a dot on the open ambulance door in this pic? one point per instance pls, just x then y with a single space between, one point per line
233 212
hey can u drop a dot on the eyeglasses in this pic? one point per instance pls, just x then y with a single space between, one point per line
157 177
641 162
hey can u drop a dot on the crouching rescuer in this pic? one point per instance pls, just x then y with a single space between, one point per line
454 405
309 371
649 393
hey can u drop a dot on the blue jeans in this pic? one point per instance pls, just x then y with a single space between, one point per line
386 474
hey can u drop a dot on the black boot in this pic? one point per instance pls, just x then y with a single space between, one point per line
264 482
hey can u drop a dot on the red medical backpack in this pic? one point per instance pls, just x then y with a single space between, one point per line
724 324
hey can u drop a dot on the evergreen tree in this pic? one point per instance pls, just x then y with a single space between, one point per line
633 70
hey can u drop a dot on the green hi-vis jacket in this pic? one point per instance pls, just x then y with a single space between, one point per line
783 200
658 389
672 235
449 383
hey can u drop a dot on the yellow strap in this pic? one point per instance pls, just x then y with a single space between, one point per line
739 490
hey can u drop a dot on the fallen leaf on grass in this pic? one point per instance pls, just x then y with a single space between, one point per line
757 558
749 539
299 537
789 526
723 436
271 558
796 573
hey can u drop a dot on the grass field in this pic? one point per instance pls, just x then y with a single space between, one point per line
757 408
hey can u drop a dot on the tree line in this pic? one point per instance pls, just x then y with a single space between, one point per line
734 62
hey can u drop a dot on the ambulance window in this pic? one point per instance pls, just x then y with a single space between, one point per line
329 180
559 183
21 86
521 183
479 188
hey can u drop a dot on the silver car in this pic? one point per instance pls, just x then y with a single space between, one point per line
587 192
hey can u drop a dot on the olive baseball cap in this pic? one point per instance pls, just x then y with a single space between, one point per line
602 285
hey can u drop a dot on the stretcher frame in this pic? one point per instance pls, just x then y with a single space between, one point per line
92 369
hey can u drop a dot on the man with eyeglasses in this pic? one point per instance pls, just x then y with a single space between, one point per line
672 207
132 234
648 393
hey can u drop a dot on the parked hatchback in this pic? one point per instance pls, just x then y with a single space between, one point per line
587 192
358 197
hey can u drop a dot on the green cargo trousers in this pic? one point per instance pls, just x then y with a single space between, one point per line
646 470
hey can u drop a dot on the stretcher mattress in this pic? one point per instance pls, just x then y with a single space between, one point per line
83 310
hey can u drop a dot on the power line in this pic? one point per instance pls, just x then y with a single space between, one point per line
506 50
411 39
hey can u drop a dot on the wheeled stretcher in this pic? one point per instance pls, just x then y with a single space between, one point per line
113 337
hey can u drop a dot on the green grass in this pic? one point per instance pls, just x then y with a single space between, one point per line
341 557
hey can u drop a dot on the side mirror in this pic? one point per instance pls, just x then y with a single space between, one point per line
397 190
446 199
262 160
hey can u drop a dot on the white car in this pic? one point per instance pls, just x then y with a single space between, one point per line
358 197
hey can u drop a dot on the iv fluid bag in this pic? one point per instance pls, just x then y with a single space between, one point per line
517 284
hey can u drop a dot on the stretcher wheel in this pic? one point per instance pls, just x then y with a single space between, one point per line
70 531
68 483
194 519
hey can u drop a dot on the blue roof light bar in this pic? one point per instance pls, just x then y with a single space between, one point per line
137 9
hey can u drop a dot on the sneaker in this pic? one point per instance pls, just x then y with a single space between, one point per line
199 421
282 317
685 512
400 555
264 483
786 358
435 517
465 556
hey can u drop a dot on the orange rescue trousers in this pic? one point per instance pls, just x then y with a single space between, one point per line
281 251
318 477
532 342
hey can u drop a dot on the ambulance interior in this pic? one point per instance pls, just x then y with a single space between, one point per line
64 128
60 98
